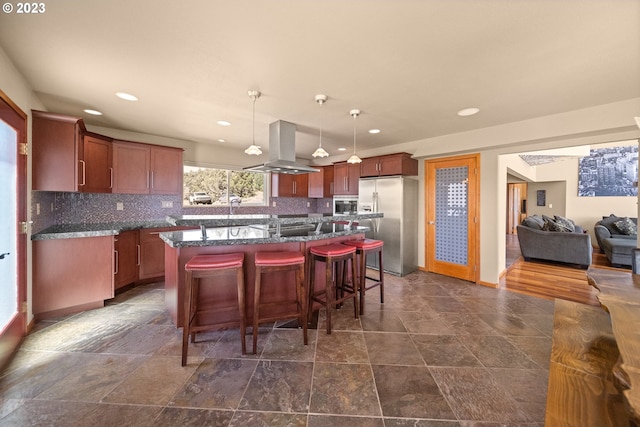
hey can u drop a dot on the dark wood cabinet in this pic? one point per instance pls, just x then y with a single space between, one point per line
96 165
166 170
151 253
146 169
392 164
131 164
288 185
321 183
56 145
345 179
126 258
70 275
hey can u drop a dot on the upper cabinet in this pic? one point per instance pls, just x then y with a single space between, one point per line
96 165
56 151
321 183
146 169
288 185
392 164
68 158
345 179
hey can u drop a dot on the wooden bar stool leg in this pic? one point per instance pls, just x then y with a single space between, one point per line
256 308
329 291
242 308
381 272
187 320
302 298
354 283
363 279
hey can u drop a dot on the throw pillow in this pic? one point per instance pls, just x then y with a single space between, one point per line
608 221
566 223
532 223
626 226
550 224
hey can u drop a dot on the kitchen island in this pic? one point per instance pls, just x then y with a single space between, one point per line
247 234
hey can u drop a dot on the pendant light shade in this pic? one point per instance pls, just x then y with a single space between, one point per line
254 150
354 158
320 152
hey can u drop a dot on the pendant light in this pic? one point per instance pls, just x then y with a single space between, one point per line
354 158
320 152
254 150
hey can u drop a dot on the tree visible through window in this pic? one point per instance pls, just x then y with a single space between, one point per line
210 186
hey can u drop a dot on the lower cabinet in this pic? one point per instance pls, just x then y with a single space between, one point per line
71 275
151 253
126 258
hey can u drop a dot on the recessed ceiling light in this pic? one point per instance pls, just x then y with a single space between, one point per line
468 112
342 149
93 112
223 123
221 140
374 130
126 96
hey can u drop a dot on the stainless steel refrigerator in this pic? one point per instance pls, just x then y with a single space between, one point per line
397 198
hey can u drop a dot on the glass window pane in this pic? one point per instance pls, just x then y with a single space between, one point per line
209 187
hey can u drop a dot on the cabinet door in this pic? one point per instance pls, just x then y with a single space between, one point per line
398 164
328 181
316 184
301 185
369 167
96 171
131 167
125 258
287 185
346 177
71 272
55 144
151 253
166 170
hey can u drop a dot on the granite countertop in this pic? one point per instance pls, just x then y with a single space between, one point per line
72 231
231 220
257 234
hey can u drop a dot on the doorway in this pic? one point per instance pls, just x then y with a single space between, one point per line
452 232
13 170
516 205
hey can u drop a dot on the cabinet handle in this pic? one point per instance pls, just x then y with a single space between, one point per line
117 261
138 248
148 178
84 173
294 187
152 186
155 232
110 177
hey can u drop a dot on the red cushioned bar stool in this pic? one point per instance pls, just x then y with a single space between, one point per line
201 266
271 262
363 248
339 286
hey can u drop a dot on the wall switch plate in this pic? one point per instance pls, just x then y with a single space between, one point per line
273 204
167 204
37 208
119 206
308 204
327 204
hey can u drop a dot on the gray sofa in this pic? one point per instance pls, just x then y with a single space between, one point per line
616 239
538 241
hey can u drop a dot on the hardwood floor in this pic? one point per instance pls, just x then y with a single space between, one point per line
549 280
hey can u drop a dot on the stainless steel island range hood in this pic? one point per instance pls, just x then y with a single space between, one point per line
282 151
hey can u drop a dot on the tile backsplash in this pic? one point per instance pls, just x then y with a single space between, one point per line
53 208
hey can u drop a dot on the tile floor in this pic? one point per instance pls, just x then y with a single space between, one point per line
439 352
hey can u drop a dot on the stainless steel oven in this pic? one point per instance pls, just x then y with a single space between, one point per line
345 205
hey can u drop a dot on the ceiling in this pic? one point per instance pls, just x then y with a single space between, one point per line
408 65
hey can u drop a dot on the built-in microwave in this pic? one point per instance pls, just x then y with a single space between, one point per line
345 205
